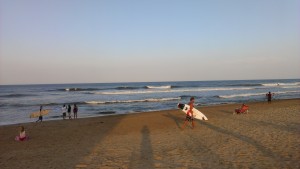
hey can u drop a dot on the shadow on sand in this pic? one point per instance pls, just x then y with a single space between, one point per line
179 121
264 150
144 158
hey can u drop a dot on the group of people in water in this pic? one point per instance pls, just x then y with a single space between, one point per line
65 109
68 109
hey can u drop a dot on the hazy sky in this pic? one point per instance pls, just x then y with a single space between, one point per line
61 41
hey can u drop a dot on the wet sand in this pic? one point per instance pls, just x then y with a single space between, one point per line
266 137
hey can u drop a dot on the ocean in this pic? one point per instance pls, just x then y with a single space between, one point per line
102 99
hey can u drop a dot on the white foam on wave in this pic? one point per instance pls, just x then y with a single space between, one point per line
291 87
241 95
95 102
129 92
172 91
254 94
71 89
133 101
281 84
159 87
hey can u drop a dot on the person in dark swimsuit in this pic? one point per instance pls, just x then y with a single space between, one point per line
69 111
75 110
40 117
269 97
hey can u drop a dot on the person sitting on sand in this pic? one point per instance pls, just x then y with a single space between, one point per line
22 136
243 109
189 114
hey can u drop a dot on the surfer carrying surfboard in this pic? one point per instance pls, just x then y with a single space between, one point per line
40 116
189 114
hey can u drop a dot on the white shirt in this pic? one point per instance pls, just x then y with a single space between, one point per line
22 134
64 109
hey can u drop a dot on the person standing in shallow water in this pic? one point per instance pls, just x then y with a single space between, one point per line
269 96
64 111
75 110
69 111
189 115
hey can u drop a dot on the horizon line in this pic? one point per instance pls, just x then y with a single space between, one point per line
25 84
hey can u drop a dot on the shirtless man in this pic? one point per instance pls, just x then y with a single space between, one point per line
189 114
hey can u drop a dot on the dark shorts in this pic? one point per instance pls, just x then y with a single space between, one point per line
64 114
40 117
189 118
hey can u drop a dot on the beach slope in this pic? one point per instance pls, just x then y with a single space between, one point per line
266 137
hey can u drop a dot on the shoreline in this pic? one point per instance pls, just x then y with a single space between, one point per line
197 107
266 137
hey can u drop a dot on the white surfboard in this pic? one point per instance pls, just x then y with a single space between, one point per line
197 114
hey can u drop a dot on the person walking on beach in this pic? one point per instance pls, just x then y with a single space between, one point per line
69 111
189 115
269 96
64 111
75 110
40 116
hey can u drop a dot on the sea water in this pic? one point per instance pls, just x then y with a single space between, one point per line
102 99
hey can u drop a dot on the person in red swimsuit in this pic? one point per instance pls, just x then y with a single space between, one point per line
189 114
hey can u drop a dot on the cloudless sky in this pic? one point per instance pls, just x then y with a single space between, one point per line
91 41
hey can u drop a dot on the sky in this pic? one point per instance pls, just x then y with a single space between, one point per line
99 41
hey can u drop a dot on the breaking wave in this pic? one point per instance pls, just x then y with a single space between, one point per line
170 91
74 89
133 101
159 87
281 84
245 85
253 94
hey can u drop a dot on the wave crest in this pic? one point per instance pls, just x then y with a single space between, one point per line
159 87
253 94
170 91
282 84
133 101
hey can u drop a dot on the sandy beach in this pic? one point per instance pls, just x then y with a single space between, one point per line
266 137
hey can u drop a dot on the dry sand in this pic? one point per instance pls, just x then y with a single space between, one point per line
267 137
